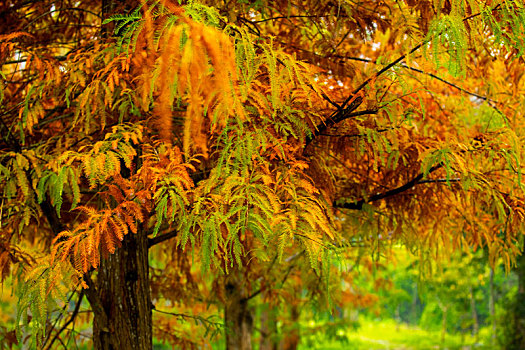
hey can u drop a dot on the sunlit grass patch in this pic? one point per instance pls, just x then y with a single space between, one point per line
387 334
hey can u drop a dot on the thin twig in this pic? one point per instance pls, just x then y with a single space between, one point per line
186 316
71 319
367 60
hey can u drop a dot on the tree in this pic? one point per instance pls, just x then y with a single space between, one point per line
511 317
185 159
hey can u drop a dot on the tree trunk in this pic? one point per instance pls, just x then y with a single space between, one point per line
123 293
237 313
492 309
291 340
519 308
414 312
474 313
268 329
398 318
444 323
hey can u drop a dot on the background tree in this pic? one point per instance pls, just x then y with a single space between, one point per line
207 153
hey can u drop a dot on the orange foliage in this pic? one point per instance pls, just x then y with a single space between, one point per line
264 142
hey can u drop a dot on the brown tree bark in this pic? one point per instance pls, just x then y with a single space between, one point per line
237 313
123 292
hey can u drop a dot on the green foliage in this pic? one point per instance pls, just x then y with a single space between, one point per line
509 26
448 37
42 291
125 27
242 195
53 183
129 26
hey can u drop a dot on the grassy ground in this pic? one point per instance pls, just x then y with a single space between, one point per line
375 335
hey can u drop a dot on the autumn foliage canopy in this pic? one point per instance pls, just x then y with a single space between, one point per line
177 163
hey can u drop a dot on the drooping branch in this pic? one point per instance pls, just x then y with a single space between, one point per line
47 209
323 95
359 204
57 226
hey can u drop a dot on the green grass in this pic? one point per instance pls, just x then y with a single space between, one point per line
387 335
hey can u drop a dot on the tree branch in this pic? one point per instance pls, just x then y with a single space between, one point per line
159 239
434 181
23 60
359 135
7 134
290 268
337 117
368 60
399 59
288 17
192 317
359 204
355 99
71 319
